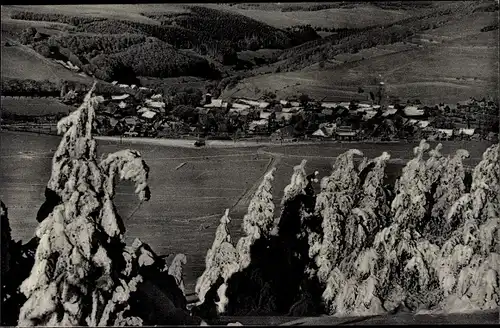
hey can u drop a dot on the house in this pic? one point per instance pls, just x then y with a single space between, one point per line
286 133
237 106
413 111
114 82
122 105
446 133
367 106
369 115
320 133
329 105
256 125
148 114
214 103
143 88
113 122
325 130
423 124
294 103
346 135
344 104
155 104
327 112
264 115
156 97
467 132
389 112
284 102
142 110
133 86
259 104
131 120
121 97
284 116
123 85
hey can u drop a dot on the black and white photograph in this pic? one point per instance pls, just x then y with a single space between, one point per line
250 163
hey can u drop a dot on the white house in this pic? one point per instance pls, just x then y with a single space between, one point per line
143 88
260 104
319 133
295 103
157 96
114 82
468 132
447 132
365 106
240 106
123 85
149 114
329 104
122 97
369 115
284 102
264 115
155 104
142 110
389 111
257 123
214 103
413 111
122 104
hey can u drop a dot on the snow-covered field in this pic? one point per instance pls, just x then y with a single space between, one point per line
186 202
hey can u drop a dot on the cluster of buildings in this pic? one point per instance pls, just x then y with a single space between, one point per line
277 119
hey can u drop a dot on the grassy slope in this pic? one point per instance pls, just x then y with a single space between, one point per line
22 62
464 63
187 203
361 16
34 106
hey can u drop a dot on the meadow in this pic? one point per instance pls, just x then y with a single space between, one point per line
34 106
186 202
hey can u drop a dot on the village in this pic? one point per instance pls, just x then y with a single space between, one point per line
291 120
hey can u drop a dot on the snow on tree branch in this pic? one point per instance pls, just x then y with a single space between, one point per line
74 261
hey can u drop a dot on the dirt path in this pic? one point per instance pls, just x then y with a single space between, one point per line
274 159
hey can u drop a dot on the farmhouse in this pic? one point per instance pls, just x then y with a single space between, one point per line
214 103
446 133
237 106
467 132
389 112
320 133
329 105
413 111
253 103
155 104
258 125
121 97
264 115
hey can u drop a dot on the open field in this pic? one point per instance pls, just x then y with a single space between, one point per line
22 62
446 64
433 74
130 12
187 202
358 17
34 106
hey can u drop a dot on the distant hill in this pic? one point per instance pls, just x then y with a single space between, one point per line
440 56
